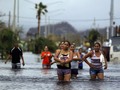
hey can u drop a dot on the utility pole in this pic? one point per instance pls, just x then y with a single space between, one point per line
9 20
94 24
53 29
45 26
18 13
18 20
14 17
107 31
49 26
111 19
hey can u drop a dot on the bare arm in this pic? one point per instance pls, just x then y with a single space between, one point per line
51 55
9 56
85 58
23 63
105 59
42 57
56 56
105 67
52 61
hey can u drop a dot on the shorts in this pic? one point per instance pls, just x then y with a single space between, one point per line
74 71
96 71
63 72
16 65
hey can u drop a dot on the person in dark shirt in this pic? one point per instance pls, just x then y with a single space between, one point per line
16 54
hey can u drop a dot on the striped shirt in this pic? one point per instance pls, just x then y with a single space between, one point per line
95 60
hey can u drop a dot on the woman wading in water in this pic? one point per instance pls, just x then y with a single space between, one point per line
63 57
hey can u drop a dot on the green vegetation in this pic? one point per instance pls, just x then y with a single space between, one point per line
38 45
42 42
7 39
93 36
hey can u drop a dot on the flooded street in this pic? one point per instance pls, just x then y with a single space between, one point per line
33 77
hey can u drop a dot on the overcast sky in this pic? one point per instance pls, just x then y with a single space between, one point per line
79 13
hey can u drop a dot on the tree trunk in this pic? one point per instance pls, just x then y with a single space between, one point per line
38 26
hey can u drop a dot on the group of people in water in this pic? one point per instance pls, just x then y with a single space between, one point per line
67 60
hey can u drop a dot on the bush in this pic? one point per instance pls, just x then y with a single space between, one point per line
7 39
41 42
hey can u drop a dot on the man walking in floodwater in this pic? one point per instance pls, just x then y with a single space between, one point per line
16 54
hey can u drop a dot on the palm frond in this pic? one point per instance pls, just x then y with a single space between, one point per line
43 13
41 9
35 6
46 10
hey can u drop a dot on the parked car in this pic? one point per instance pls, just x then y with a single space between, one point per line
115 52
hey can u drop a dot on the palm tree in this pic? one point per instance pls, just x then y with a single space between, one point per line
41 9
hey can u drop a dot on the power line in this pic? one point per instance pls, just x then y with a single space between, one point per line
54 3
47 3
22 17
75 20
29 1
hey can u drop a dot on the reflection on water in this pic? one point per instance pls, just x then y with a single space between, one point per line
46 71
63 86
16 71
33 77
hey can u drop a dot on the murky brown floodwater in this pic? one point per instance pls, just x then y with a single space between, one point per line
33 77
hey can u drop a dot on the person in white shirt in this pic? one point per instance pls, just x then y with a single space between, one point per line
75 61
